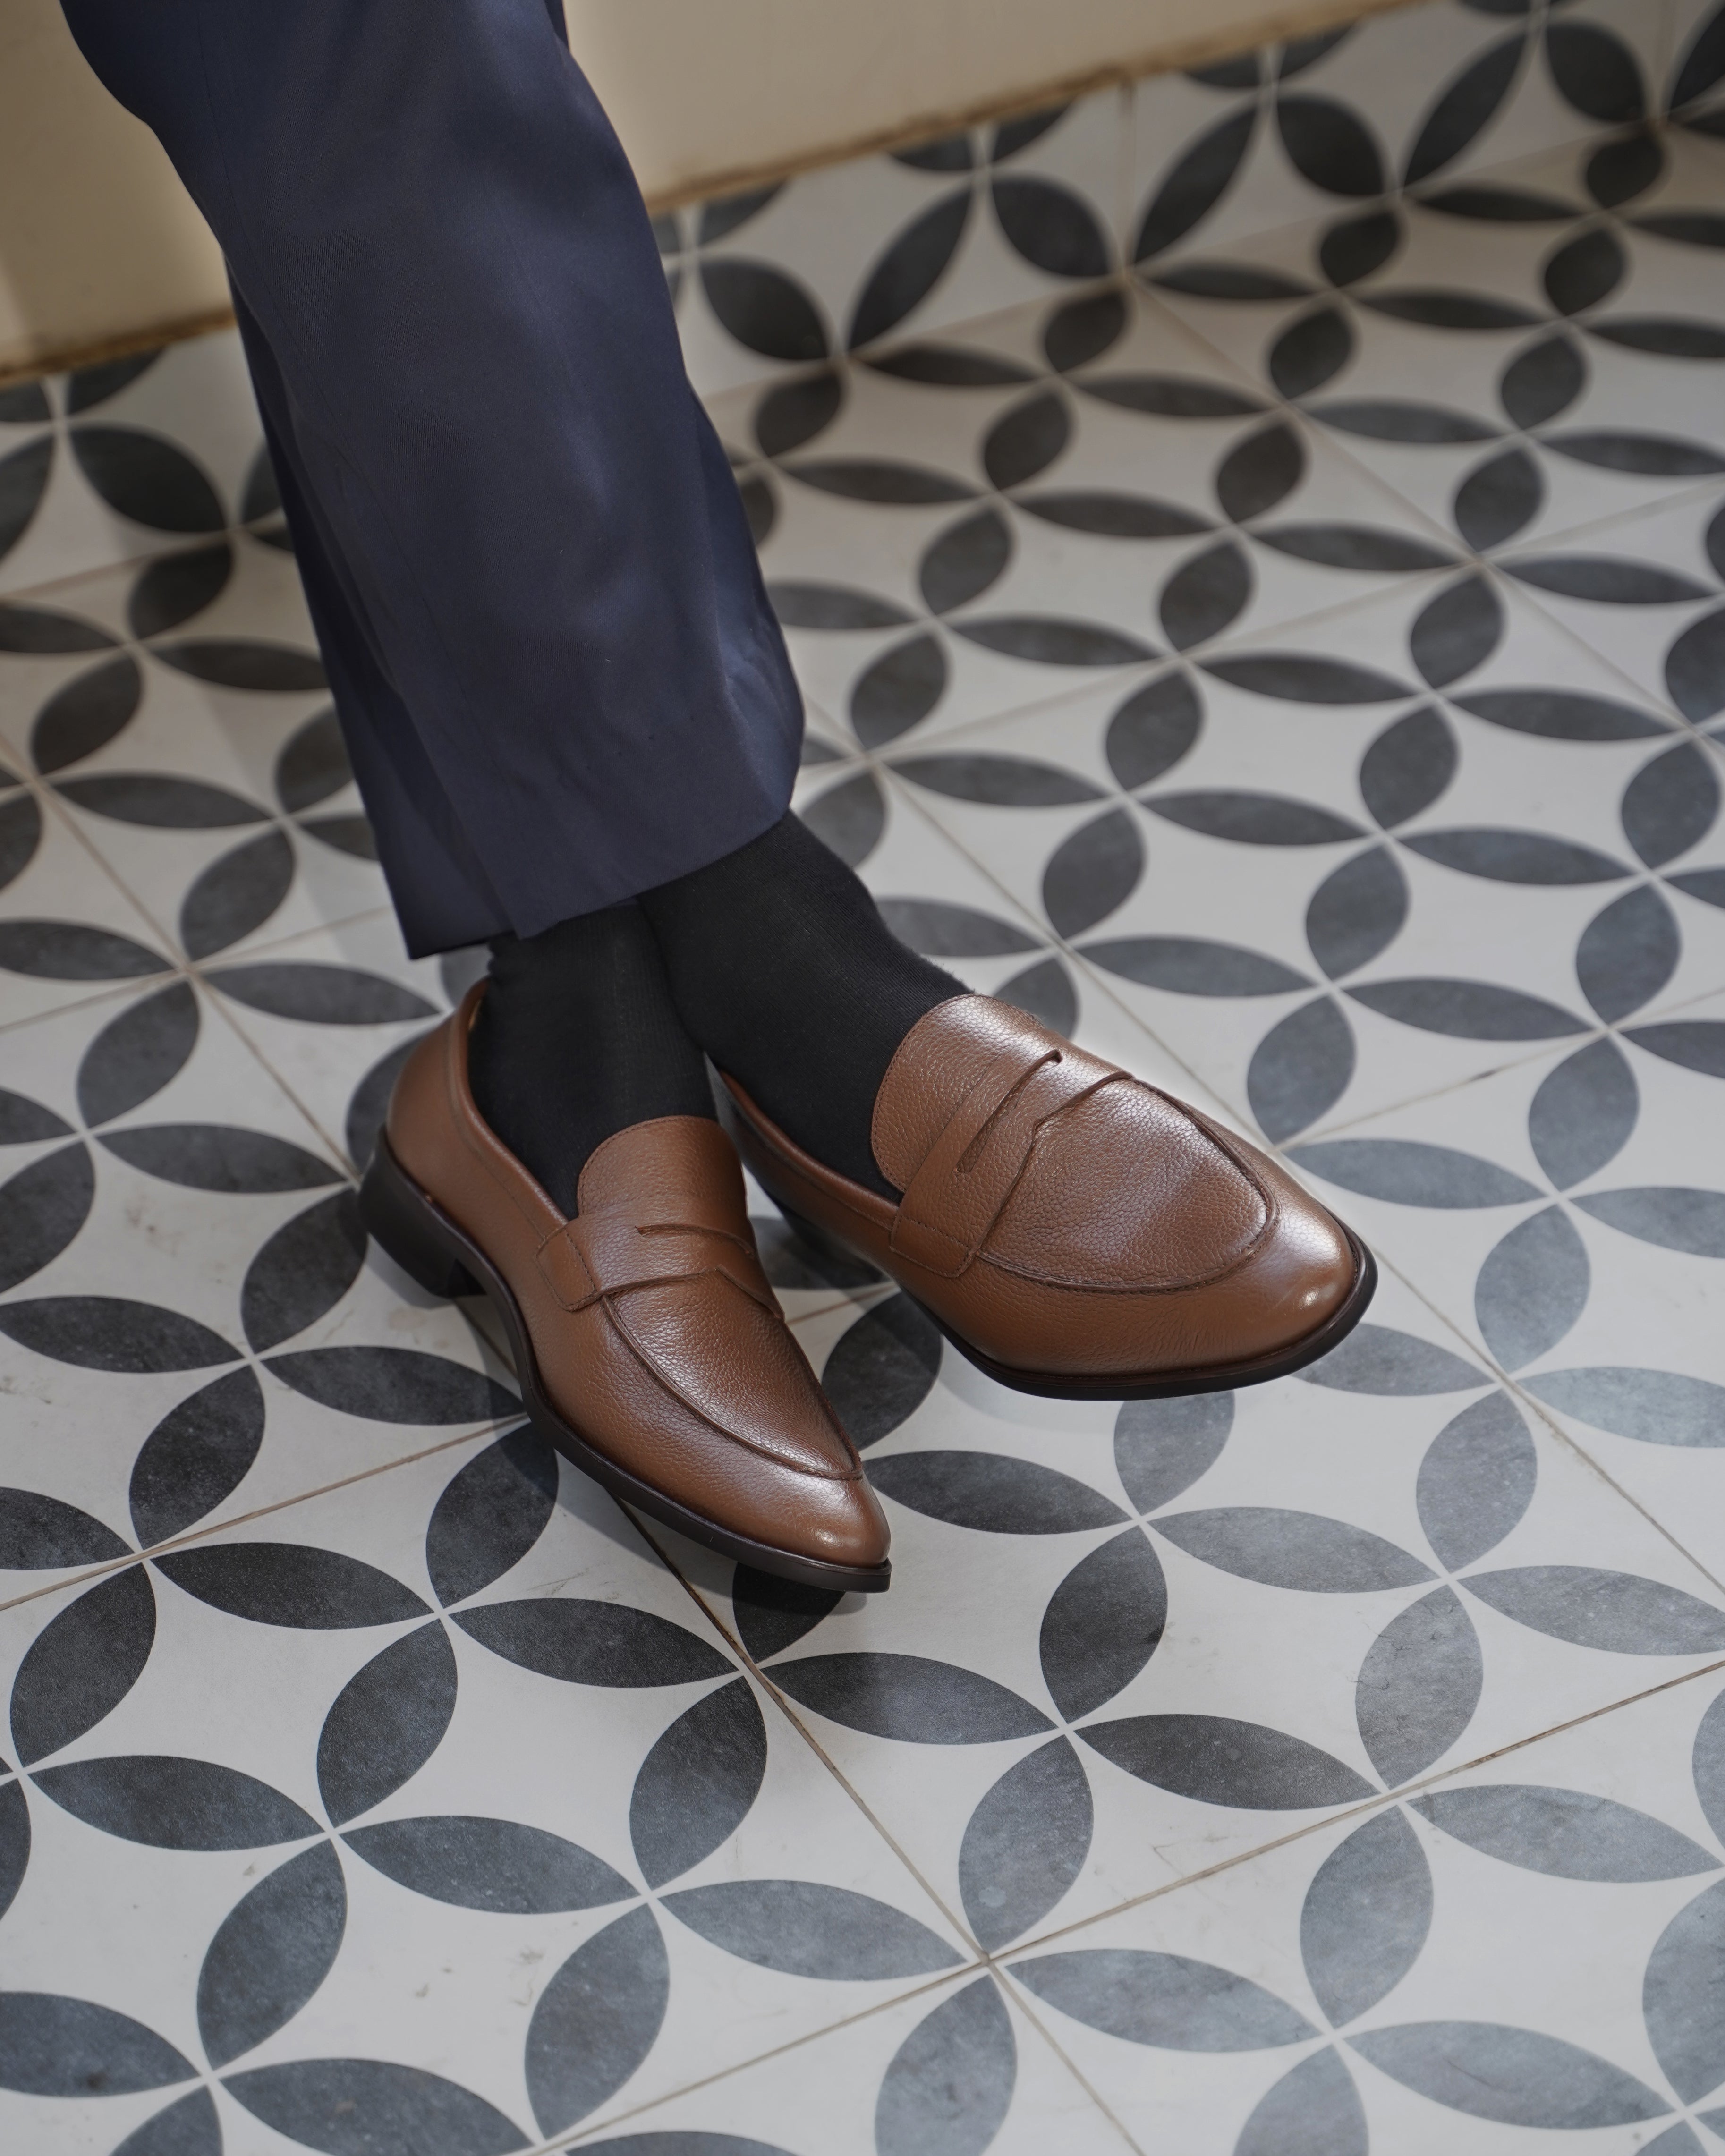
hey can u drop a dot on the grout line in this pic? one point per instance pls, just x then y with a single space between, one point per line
1056 944
1019 1996
1571 1044
1477 1353
1537 1407
1000 1965
1126 136
56 812
765 1679
1667 62
1697 491
165 545
1531 595
779 2051
337 1141
1366 1807
1315 1132
211 1529
861 1299
110 991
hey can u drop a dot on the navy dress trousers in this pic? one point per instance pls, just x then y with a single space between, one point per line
527 561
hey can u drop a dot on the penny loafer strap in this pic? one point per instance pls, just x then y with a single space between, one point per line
963 1182
606 1253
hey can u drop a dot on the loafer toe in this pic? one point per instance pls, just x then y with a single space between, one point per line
648 1345
1073 1230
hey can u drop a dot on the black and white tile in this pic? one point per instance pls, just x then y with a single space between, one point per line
543 1838
1513 1958
948 533
1564 1213
1251 544
1342 124
118 461
1089 1682
1362 959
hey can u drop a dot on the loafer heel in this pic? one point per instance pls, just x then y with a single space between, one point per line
398 1220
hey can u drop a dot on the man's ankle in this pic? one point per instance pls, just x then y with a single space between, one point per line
783 969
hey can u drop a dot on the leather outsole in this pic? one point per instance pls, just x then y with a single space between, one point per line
409 1223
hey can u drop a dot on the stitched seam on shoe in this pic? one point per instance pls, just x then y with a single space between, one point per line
966 1160
605 1301
974 1250
886 1079
912 1215
1213 1278
766 1135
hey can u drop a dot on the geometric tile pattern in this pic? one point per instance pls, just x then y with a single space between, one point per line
1254 550
1364 128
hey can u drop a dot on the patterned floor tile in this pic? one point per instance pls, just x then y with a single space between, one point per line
944 231
1644 593
1518 357
190 1294
1566 1216
1093 1677
457 1951
1206 842
1340 122
68 931
969 527
961 2065
334 1013
1511 1960
197 752
1292 676
115 461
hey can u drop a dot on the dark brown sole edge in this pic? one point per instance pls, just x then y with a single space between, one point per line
429 1246
1183 1384
1186 1384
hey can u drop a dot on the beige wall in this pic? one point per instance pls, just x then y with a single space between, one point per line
707 92
101 249
97 239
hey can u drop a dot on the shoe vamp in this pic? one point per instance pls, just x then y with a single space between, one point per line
737 1366
1123 1189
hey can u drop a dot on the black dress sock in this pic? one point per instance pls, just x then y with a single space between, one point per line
577 1038
784 972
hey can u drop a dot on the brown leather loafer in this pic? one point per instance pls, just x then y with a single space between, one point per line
1073 1231
647 1344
